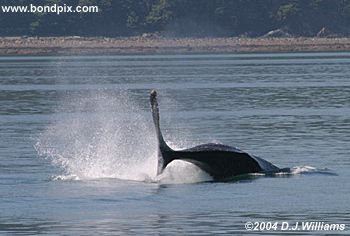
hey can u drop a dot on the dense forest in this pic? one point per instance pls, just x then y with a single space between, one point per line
181 18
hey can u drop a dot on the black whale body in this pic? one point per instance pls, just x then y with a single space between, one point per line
220 161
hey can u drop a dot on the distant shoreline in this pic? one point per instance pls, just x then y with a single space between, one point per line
11 46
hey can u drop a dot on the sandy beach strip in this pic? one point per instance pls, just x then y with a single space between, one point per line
158 45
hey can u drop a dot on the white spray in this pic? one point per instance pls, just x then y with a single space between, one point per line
99 134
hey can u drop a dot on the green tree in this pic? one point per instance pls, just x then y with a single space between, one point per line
181 17
160 15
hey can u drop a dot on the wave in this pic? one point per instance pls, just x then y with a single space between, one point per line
299 170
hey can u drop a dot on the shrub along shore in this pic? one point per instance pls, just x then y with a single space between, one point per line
149 44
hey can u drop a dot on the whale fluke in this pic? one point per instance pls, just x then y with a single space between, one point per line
220 161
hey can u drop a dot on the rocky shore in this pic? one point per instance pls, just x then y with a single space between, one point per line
148 44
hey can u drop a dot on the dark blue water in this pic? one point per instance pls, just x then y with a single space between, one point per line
78 148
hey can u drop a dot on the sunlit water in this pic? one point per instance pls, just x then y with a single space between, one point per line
78 151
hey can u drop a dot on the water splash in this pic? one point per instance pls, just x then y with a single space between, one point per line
178 172
305 170
298 170
99 134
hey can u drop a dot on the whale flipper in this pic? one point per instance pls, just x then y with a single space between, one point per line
163 160
218 160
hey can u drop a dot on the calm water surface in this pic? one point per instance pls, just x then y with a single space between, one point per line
78 149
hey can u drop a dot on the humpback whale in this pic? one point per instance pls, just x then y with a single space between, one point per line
220 161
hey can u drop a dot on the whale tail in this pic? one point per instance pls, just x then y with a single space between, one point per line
163 148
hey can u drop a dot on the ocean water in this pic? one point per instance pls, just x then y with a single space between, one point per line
78 151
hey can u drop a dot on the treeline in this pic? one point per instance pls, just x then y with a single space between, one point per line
181 18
